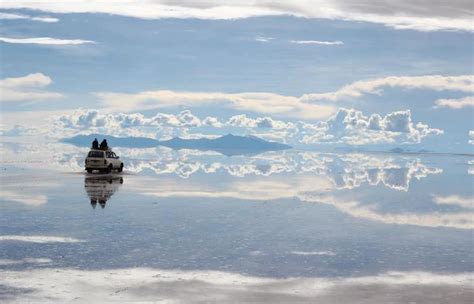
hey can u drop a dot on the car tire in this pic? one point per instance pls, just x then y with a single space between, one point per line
120 169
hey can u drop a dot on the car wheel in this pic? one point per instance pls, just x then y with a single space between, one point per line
120 169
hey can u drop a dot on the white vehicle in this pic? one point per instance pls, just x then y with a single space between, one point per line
104 161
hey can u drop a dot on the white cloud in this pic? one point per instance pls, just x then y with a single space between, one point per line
422 15
455 104
462 83
471 137
263 39
40 239
337 42
352 127
45 41
347 126
268 103
456 200
26 88
8 16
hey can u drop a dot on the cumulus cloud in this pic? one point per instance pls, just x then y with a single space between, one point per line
455 104
8 16
462 83
268 103
421 15
337 42
353 127
26 88
346 126
44 41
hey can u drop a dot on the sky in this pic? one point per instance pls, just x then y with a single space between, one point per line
313 74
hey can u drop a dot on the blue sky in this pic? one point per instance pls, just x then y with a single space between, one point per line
112 69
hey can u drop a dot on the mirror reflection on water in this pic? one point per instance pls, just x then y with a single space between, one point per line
266 225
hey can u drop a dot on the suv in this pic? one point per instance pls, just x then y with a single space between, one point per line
104 161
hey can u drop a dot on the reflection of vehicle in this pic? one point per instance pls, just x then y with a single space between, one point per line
104 161
101 188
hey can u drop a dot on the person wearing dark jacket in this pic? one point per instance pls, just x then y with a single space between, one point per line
104 145
95 144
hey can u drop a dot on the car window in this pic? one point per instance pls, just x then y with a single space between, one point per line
114 155
96 154
109 155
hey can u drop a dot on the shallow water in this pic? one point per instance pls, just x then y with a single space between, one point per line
289 226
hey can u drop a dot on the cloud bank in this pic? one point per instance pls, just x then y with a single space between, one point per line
421 15
347 126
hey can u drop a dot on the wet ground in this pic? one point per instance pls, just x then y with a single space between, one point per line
289 226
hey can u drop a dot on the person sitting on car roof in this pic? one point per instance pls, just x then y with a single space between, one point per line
104 145
95 144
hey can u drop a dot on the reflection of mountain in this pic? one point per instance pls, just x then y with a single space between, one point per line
101 188
227 145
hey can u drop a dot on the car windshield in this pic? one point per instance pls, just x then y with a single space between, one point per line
96 154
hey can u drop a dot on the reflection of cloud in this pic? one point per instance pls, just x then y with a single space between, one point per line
319 42
24 198
270 188
345 171
459 220
329 253
5 262
41 239
456 200
145 284
360 168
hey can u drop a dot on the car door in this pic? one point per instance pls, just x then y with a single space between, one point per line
110 158
116 160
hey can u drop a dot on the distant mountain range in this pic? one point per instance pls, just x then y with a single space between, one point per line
228 144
